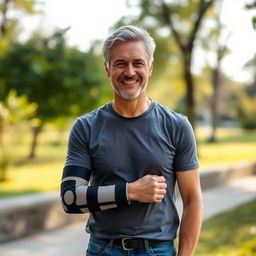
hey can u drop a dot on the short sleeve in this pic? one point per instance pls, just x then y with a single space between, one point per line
186 149
78 153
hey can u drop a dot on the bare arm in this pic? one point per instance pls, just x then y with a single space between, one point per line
189 186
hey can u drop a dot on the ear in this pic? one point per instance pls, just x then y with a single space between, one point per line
106 69
151 67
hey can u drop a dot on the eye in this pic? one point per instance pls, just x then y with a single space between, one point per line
119 64
139 63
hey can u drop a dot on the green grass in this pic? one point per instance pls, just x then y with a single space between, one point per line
40 175
226 152
44 174
233 145
32 178
232 233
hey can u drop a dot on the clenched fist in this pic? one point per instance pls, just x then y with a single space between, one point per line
148 189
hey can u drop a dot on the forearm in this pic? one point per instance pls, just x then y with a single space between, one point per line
190 228
78 197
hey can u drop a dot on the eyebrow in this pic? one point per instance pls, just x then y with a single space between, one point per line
119 60
123 60
140 60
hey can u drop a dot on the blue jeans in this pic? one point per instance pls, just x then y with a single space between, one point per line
98 247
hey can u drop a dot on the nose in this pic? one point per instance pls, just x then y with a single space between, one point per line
130 71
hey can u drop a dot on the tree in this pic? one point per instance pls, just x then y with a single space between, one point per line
251 4
63 81
246 111
183 20
4 160
215 43
246 106
11 12
13 112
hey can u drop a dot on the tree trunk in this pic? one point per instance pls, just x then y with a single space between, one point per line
35 132
186 48
190 100
3 24
214 103
4 164
5 160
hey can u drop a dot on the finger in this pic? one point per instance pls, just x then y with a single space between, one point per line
162 185
161 192
159 197
159 178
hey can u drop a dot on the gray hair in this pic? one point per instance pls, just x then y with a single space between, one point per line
126 34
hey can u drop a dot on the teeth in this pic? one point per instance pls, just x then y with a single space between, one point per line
130 82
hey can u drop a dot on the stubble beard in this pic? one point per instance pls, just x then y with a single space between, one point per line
123 95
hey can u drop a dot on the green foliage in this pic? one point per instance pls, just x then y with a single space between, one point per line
4 114
11 13
19 108
230 234
246 110
251 5
13 112
63 81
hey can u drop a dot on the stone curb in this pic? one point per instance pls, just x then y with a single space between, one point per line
223 174
26 215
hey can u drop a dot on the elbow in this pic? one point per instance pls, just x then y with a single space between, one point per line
69 204
64 207
198 202
195 202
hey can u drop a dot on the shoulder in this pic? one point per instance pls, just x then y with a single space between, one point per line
94 115
94 118
175 118
177 125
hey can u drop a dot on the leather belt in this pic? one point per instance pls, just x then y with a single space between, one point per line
135 243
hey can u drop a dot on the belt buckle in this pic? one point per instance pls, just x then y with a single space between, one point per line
123 243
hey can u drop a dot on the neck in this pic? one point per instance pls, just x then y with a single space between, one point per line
131 108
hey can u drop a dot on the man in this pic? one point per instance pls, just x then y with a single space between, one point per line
132 150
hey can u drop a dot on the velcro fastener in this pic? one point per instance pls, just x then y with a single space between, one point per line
92 199
120 194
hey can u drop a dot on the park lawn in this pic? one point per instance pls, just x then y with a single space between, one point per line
32 178
232 233
233 145
226 152
44 174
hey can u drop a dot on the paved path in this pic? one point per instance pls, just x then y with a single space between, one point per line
72 240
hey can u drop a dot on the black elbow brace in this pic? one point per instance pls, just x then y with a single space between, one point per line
68 196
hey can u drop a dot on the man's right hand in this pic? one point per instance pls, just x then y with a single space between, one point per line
148 189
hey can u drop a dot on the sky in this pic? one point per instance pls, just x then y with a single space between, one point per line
90 20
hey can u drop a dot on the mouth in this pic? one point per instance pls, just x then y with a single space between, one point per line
130 80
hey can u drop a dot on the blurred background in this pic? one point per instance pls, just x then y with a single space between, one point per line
51 71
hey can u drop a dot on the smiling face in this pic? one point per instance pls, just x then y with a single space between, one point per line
129 69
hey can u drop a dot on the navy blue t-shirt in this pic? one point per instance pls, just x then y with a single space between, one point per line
120 150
